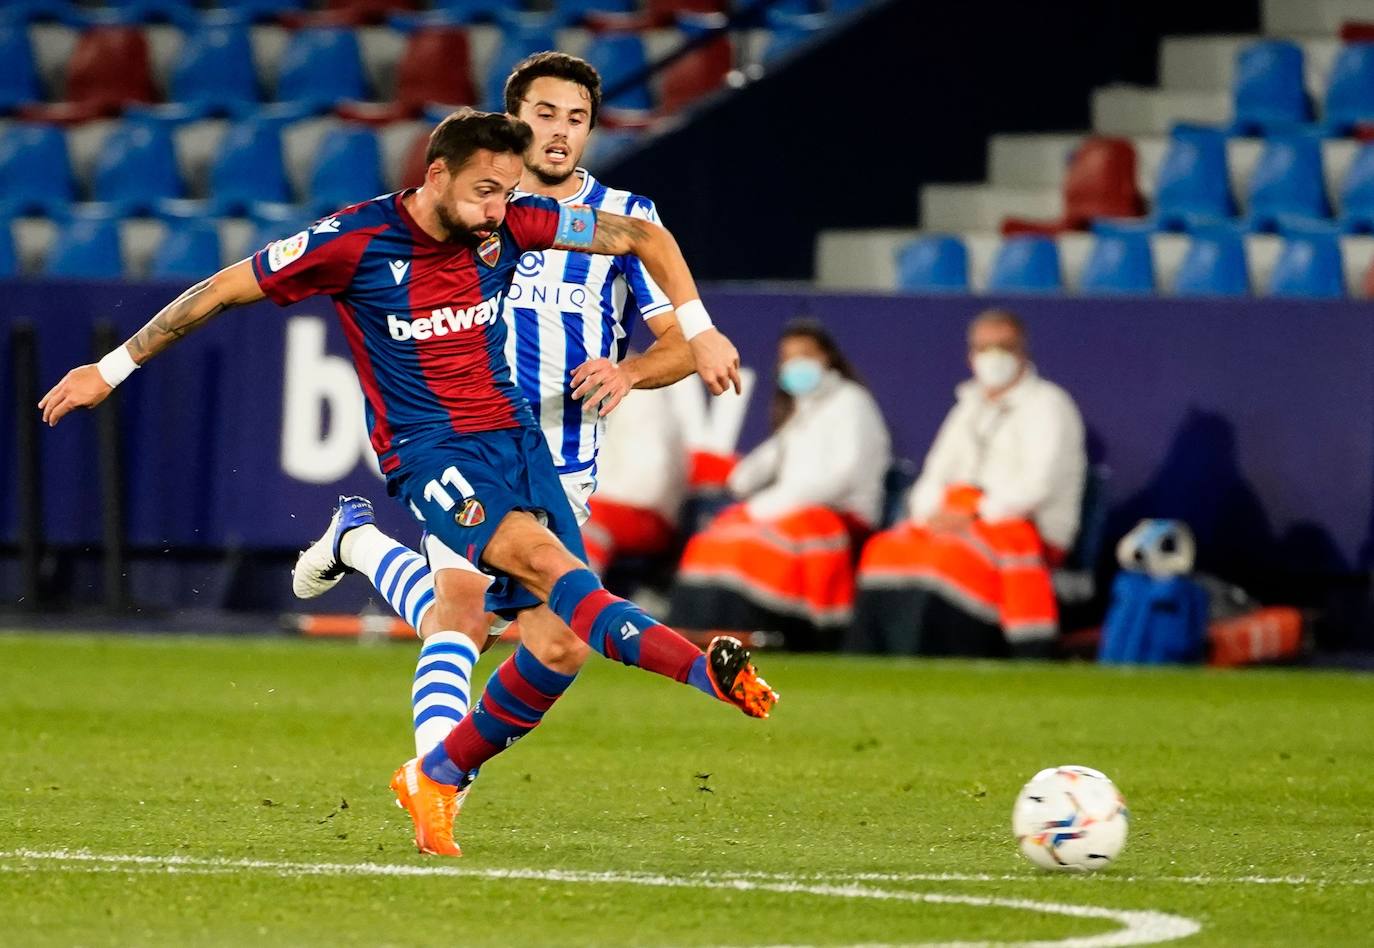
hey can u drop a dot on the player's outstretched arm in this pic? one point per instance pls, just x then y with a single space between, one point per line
88 385
717 360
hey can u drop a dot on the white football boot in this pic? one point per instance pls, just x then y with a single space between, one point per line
319 568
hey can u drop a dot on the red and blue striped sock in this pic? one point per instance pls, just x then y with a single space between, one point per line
620 630
516 699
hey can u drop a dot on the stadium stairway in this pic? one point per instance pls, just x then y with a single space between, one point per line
1027 172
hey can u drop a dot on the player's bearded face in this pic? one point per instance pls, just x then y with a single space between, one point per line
473 204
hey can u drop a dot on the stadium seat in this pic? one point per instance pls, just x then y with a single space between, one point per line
1268 91
1287 181
86 248
108 69
436 67
1350 90
575 12
413 165
9 260
18 75
215 69
699 72
348 169
1357 193
471 11
136 167
790 31
1100 182
619 57
1309 266
260 9
273 222
935 263
190 251
517 42
1193 187
249 168
321 67
35 172
1214 264
360 12
1120 261
1027 264
23 12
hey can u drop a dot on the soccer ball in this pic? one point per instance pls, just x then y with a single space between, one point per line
1070 818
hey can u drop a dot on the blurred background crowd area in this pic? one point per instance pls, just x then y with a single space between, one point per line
1176 201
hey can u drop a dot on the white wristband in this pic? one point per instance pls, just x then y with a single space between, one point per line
693 318
116 366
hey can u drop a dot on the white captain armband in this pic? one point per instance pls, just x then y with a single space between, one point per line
576 227
693 319
116 366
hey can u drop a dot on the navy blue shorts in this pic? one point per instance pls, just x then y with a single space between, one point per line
463 485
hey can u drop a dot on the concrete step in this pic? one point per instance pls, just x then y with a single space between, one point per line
1138 110
975 207
1207 63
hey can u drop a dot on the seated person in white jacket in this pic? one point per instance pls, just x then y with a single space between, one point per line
783 560
641 477
996 506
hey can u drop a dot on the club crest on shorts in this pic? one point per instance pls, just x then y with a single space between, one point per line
471 514
490 250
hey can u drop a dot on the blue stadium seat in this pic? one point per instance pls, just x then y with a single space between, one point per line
273 222
472 11
1214 264
618 56
1309 266
9 260
215 69
1350 90
571 12
517 42
1287 181
1193 188
259 9
789 31
1120 261
23 12
137 166
933 263
249 168
86 248
1357 193
321 66
190 251
1268 90
1028 264
348 169
35 173
18 75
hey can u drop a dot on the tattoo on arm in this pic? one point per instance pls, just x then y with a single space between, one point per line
185 313
617 234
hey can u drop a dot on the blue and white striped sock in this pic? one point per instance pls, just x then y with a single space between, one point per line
439 697
400 574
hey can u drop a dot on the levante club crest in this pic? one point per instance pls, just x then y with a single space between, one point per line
472 513
490 250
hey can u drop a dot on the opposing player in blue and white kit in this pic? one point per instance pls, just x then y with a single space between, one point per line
569 317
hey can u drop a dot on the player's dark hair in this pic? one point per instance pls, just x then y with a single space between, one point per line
556 66
806 328
467 131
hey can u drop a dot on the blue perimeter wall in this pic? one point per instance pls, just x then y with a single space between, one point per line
1252 419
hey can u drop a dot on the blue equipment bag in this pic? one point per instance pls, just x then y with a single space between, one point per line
1154 621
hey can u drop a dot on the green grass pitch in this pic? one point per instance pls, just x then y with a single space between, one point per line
873 808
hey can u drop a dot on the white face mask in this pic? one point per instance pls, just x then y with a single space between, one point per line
995 368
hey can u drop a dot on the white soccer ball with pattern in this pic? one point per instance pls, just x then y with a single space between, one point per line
1070 818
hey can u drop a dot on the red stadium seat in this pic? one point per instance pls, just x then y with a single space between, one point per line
1357 31
701 71
1100 182
436 67
108 69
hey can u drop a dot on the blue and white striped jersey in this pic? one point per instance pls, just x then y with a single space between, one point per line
564 308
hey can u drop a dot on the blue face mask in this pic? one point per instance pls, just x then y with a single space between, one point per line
800 376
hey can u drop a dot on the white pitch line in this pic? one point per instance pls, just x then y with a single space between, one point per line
1137 927
1107 876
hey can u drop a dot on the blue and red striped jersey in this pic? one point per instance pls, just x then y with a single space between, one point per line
422 317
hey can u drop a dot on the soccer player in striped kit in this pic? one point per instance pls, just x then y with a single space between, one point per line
418 278
569 316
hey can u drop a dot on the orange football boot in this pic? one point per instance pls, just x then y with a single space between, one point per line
433 807
735 679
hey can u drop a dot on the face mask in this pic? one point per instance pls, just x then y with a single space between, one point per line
995 368
800 376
